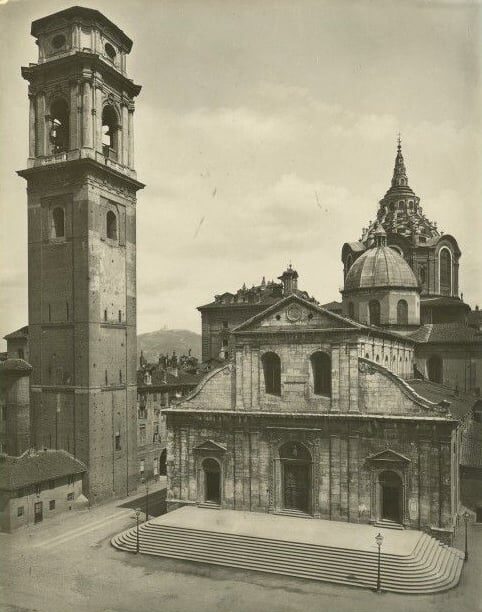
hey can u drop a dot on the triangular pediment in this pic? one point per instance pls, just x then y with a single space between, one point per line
388 456
211 446
295 313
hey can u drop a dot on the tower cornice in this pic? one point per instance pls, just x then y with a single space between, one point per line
82 60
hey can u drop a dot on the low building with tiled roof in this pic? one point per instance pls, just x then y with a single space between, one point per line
38 484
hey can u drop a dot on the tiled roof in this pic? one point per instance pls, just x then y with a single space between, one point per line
446 333
333 306
380 267
22 332
37 466
442 300
14 365
460 403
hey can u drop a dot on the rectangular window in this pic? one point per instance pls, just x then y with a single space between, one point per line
52 504
120 377
106 378
70 497
105 315
20 511
117 441
120 316
51 484
142 434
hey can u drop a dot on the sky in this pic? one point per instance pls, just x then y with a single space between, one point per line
266 134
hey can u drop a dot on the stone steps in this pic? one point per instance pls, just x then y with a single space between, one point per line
432 567
387 524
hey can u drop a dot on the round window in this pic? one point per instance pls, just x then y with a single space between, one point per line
58 41
110 51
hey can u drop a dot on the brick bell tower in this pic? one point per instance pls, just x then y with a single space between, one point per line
81 187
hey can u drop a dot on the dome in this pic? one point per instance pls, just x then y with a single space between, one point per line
380 267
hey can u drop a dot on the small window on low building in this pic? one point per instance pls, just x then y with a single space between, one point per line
52 504
70 497
20 511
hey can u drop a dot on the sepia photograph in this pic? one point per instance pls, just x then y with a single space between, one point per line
241 306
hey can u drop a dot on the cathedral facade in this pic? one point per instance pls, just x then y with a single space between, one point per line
329 415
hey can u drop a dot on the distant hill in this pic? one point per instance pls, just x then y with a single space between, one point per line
168 340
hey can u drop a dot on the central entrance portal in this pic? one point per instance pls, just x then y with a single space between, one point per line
296 474
391 496
212 481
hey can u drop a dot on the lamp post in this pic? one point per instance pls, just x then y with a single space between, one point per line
379 541
466 517
138 513
146 484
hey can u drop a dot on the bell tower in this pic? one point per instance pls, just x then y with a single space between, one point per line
81 187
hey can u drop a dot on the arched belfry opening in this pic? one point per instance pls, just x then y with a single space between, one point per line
212 481
110 131
296 467
391 496
59 130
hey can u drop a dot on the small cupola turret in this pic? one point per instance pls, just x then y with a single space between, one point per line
289 278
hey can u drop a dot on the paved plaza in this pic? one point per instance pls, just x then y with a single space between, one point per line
69 565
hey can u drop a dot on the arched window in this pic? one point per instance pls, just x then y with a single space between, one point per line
445 271
351 310
374 312
321 369
435 369
110 129
272 373
58 222
111 224
402 312
59 130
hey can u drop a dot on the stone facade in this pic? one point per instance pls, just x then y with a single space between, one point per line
82 247
328 455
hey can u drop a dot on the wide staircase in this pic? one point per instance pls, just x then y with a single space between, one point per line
430 568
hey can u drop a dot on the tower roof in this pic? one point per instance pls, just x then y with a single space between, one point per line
83 14
399 210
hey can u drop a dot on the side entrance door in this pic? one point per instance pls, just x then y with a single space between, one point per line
38 512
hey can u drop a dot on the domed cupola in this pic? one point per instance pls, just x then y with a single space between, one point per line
381 288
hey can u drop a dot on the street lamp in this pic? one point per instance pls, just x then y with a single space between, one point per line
138 513
379 541
466 517
146 484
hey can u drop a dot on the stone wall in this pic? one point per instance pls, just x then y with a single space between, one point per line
345 467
